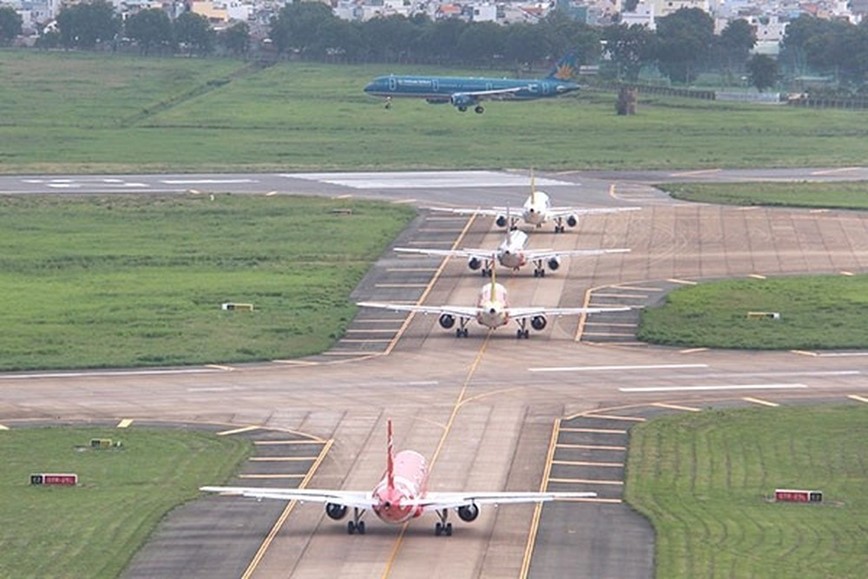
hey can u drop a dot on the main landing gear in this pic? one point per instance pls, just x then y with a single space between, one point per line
442 527
357 525
540 270
478 109
522 331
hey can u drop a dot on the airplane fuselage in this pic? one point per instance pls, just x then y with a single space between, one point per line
493 307
536 209
511 252
410 484
449 89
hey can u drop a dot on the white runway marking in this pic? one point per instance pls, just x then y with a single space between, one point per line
97 374
426 180
607 368
206 181
719 387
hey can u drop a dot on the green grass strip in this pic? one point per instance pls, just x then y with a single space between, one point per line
704 480
125 281
840 195
824 312
93 529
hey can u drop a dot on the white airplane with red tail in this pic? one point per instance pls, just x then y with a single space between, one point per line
492 310
401 495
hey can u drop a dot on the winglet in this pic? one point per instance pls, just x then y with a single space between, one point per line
390 460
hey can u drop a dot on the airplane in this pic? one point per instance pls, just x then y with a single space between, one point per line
536 211
402 494
464 92
492 310
512 253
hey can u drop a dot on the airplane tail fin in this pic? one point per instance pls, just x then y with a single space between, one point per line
565 68
532 188
390 460
493 293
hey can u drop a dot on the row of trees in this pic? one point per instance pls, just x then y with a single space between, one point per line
683 45
87 25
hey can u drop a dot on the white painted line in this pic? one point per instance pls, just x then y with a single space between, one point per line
610 368
213 389
682 281
592 500
717 387
2 427
696 173
842 354
833 171
592 430
676 407
858 398
590 447
206 181
759 401
692 350
125 423
847 273
585 481
615 417
757 276
96 374
237 430
588 463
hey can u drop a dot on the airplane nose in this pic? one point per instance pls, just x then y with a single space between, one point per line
492 311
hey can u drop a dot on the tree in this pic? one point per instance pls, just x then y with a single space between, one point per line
567 35
87 24
763 71
195 31
297 26
735 43
524 45
629 49
236 38
684 41
149 28
10 25
481 42
389 39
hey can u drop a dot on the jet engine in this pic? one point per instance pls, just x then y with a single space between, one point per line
336 512
447 321
462 101
538 322
572 220
554 263
501 221
474 263
468 513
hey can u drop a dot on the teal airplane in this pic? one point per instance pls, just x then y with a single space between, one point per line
465 92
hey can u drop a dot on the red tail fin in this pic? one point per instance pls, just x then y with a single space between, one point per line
390 461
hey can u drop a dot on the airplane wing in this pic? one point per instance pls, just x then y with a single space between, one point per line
459 311
482 254
494 211
447 500
567 211
492 93
529 312
544 254
354 499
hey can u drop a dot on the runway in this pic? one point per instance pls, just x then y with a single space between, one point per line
491 412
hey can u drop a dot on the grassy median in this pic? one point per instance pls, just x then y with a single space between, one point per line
93 529
705 480
126 281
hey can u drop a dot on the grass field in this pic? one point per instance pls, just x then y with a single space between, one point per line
816 312
703 479
93 529
218 115
139 280
843 195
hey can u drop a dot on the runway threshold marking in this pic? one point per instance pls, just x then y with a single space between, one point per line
589 463
858 398
237 430
591 446
263 548
594 430
761 401
676 407
587 481
428 289
125 423
614 417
